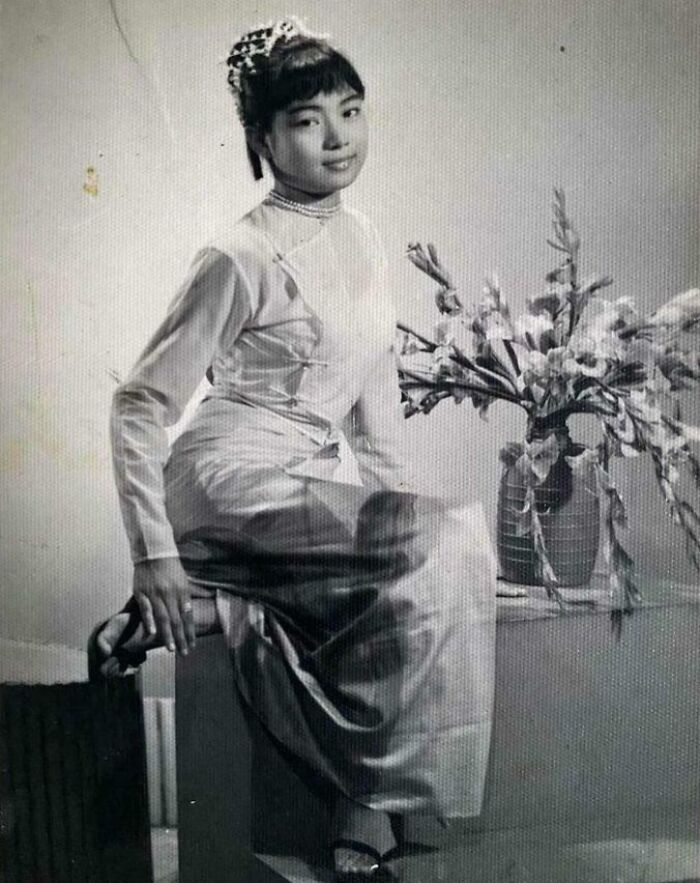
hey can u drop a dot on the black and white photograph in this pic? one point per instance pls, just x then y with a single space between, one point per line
350 441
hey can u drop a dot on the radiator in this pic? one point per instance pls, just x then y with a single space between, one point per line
73 802
159 720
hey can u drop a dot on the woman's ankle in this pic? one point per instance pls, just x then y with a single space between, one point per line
356 822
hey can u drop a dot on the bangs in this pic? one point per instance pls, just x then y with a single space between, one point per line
327 73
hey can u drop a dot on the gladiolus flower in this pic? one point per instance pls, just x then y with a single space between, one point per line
530 328
681 313
428 262
408 345
552 301
679 368
454 330
691 433
588 357
613 318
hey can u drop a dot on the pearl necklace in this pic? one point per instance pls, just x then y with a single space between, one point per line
311 211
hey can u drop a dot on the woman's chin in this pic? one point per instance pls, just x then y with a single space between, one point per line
342 175
341 181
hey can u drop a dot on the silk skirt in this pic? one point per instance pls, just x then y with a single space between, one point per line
361 624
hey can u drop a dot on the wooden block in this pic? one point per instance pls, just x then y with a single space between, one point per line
214 766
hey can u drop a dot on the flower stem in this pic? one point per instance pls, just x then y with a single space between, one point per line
463 360
423 340
430 382
508 346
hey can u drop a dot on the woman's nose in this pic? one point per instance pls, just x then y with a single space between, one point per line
336 136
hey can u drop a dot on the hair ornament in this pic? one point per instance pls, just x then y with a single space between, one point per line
259 43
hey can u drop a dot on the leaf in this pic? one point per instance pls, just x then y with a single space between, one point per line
510 453
629 374
694 467
616 508
629 450
580 463
447 301
542 455
595 283
549 302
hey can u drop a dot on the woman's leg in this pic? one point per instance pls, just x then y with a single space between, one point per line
355 823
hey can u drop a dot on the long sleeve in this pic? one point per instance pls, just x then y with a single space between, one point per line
378 432
206 315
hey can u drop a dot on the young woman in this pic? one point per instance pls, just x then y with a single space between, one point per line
359 613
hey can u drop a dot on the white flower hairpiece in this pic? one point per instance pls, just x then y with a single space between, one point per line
259 43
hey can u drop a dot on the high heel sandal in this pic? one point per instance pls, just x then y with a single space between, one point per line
379 872
125 658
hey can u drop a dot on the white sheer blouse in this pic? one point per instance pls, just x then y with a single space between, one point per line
291 318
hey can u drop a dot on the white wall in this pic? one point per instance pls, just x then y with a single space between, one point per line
478 109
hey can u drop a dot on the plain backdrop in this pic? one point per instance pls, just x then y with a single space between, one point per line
121 154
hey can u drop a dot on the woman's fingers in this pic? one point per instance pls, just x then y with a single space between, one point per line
172 604
187 614
162 616
163 591
146 610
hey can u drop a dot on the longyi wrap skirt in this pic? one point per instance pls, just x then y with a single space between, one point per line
361 624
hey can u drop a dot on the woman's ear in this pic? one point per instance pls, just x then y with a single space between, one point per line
256 140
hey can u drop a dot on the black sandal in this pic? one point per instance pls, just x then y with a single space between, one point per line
125 658
380 872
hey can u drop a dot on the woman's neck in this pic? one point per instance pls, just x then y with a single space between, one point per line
316 200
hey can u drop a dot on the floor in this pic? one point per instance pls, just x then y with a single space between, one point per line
514 857
164 848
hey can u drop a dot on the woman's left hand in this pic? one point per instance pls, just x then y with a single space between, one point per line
162 590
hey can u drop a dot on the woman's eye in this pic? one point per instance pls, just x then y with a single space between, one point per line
306 123
352 111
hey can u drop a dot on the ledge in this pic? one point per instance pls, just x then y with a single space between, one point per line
523 603
40 663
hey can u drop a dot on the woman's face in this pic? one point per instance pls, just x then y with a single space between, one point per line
318 146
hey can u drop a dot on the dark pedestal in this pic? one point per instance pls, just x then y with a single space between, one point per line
236 794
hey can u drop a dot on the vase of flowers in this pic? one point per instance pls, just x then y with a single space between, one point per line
573 351
567 505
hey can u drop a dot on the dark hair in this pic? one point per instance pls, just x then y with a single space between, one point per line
296 69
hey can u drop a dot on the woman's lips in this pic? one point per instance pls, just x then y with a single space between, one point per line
339 165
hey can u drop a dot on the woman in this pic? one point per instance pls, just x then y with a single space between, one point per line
359 614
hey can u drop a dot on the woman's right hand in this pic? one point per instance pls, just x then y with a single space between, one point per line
163 593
